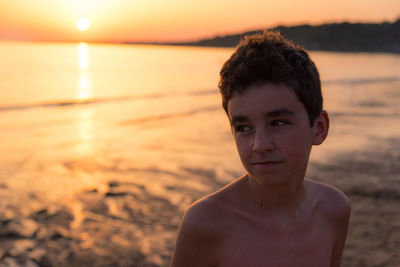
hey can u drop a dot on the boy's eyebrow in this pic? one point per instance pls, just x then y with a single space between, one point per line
278 112
268 114
237 119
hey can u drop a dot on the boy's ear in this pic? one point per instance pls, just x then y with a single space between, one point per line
321 128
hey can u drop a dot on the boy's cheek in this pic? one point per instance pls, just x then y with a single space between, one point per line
243 146
244 154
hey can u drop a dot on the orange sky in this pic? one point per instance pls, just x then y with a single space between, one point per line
168 20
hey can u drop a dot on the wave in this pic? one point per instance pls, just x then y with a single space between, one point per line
76 102
170 116
72 102
362 114
362 81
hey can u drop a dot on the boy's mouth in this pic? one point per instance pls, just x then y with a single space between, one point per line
266 163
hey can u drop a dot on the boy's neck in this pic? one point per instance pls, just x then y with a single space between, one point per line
280 198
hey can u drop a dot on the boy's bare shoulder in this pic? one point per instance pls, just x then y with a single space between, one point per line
332 202
212 210
335 209
204 226
211 216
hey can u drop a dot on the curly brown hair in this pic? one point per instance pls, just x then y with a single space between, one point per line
269 57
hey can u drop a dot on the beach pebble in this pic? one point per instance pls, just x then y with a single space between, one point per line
42 233
30 263
21 246
41 212
9 262
54 215
37 254
7 216
379 258
62 257
113 184
94 190
2 253
59 233
53 233
22 228
116 194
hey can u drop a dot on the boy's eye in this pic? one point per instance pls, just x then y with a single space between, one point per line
278 123
242 128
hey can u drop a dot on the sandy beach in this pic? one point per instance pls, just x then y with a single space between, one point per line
374 232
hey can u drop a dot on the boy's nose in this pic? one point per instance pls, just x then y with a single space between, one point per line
262 142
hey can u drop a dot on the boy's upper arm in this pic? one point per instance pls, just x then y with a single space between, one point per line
196 241
340 215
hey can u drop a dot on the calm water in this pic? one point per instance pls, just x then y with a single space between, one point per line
73 116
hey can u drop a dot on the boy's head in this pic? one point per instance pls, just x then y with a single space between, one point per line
269 57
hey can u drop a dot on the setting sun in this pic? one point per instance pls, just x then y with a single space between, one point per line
83 24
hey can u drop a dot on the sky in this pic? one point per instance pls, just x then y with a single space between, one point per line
175 20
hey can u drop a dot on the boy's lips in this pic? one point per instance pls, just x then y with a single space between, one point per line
266 165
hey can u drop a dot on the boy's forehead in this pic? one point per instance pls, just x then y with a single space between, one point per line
264 97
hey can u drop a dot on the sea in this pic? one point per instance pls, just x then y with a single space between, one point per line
68 106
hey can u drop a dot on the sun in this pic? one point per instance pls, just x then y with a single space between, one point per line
83 24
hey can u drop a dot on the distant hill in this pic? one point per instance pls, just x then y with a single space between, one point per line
345 37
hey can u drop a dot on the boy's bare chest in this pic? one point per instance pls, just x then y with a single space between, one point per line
252 245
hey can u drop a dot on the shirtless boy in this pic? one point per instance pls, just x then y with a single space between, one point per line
272 215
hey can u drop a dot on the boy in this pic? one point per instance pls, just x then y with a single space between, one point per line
272 215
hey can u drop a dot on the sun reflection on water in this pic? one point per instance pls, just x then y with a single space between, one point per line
83 92
85 132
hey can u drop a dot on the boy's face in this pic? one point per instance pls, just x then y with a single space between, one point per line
273 134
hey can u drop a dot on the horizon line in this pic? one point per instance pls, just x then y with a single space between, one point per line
188 41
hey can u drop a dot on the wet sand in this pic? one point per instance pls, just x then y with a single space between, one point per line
126 223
